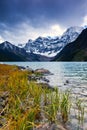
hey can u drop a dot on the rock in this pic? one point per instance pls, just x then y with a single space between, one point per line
32 77
5 95
2 122
53 126
1 125
3 100
21 67
46 85
29 69
66 82
25 68
42 71
45 80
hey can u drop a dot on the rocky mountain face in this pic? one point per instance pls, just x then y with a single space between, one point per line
75 51
49 46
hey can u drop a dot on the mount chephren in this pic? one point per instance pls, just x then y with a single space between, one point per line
48 48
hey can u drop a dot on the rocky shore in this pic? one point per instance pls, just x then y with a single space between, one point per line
38 75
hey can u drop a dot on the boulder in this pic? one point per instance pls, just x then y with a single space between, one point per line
42 71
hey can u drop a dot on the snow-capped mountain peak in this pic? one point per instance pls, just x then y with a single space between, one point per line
71 34
7 45
50 46
74 29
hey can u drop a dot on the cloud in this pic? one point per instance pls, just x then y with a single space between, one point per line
1 39
65 12
84 21
56 29
23 32
21 20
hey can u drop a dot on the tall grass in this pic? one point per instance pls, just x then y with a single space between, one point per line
65 105
29 103
81 110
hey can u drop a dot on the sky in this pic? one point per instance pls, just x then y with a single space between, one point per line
21 20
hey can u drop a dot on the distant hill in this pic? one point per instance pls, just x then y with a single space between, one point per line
75 51
10 52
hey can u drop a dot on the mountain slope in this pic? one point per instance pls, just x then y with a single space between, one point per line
71 34
10 52
75 51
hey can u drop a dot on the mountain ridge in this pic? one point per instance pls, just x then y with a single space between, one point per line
75 51
10 52
49 46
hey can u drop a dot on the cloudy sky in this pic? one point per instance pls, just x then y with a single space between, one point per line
21 20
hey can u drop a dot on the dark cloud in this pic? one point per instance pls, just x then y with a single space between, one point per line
39 11
38 14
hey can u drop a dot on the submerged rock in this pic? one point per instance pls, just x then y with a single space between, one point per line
66 82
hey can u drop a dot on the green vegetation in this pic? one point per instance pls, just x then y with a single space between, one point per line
28 104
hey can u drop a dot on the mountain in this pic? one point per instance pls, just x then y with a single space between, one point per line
71 34
49 46
40 49
75 51
46 46
10 52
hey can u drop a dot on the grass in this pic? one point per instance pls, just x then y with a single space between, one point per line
81 111
30 104
65 105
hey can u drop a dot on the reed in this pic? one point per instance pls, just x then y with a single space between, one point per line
65 105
